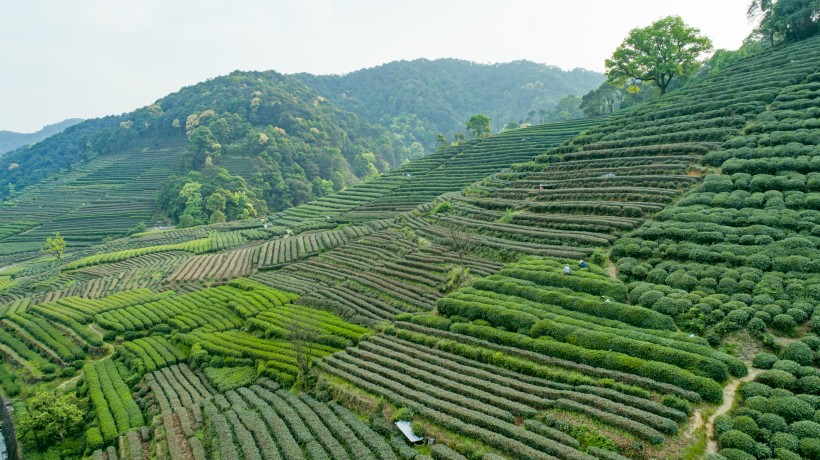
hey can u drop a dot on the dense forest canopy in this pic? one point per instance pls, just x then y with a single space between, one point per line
285 140
300 145
423 98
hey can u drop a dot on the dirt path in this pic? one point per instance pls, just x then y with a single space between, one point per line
612 270
94 328
729 393
70 381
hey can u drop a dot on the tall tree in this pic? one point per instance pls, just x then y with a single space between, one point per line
56 245
658 53
479 126
601 101
51 415
787 20
762 11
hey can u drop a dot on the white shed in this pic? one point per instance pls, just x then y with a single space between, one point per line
407 430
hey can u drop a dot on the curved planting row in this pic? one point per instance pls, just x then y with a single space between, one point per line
220 266
285 250
149 354
221 307
265 422
116 410
176 387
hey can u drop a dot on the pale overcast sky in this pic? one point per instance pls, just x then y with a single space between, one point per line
88 58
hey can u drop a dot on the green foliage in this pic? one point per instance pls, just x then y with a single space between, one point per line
810 448
736 439
139 228
677 403
230 378
401 97
798 352
805 429
50 416
666 49
56 245
442 207
478 126
209 196
403 413
785 20
777 379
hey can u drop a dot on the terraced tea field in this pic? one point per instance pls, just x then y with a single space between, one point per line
438 295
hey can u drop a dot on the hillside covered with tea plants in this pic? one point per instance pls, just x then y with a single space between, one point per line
436 292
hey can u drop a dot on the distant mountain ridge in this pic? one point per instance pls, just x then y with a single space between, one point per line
442 94
10 140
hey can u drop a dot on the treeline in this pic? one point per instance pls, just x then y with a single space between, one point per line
420 99
297 145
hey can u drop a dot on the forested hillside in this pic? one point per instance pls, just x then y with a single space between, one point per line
252 142
256 140
424 98
10 140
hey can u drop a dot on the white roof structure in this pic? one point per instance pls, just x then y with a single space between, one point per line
407 430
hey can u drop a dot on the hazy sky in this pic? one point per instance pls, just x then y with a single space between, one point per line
88 58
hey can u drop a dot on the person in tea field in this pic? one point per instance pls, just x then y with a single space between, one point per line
583 264
567 270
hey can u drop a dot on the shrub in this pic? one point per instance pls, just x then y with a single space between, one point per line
93 438
752 389
805 429
723 424
736 454
810 448
770 342
809 384
442 452
789 366
745 424
781 393
764 360
784 323
758 403
229 378
772 422
784 454
403 413
812 341
777 379
813 400
756 325
444 206
714 457
797 314
798 352
790 408
762 450
677 403
784 440
436 322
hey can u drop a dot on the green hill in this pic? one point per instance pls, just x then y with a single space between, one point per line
285 143
10 140
424 98
438 294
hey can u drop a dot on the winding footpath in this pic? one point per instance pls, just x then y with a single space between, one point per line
729 394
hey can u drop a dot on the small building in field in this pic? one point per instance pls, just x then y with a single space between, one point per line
407 430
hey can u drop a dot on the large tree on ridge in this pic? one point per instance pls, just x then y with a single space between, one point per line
657 53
